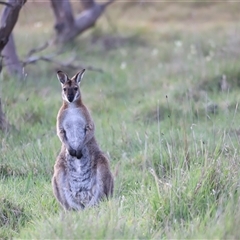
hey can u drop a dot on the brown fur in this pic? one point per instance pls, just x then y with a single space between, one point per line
82 174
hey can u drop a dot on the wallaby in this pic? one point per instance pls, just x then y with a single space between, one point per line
82 174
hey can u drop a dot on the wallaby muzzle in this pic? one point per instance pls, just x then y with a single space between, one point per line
70 97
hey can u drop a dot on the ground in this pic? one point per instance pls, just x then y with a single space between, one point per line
166 110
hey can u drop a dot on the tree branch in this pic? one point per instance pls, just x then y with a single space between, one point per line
38 49
66 64
9 19
5 3
67 30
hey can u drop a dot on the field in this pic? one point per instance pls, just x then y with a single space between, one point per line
166 110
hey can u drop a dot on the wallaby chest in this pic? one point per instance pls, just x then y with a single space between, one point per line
74 124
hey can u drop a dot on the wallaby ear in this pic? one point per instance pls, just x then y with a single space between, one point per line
78 77
62 77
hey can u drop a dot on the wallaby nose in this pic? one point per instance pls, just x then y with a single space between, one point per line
70 98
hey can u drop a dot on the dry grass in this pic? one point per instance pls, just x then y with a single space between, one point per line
166 112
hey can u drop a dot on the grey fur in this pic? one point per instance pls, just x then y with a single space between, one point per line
82 174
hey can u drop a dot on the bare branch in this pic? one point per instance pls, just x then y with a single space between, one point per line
67 30
67 64
5 3
38 49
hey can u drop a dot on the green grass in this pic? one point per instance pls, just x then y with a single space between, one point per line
162 114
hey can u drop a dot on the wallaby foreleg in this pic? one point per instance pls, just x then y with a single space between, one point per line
64 140
89 134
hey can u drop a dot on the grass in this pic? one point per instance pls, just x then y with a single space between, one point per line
166 110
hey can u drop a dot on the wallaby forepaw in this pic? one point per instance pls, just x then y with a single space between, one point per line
72 152
88 127
78 154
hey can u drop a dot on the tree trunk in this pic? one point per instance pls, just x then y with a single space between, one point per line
7 47
64 19
8 20
67 27
11 60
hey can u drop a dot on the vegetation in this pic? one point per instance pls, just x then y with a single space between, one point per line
166 110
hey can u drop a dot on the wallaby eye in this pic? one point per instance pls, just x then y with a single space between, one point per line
75 88
64 89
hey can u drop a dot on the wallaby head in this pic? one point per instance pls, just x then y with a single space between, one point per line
70 87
